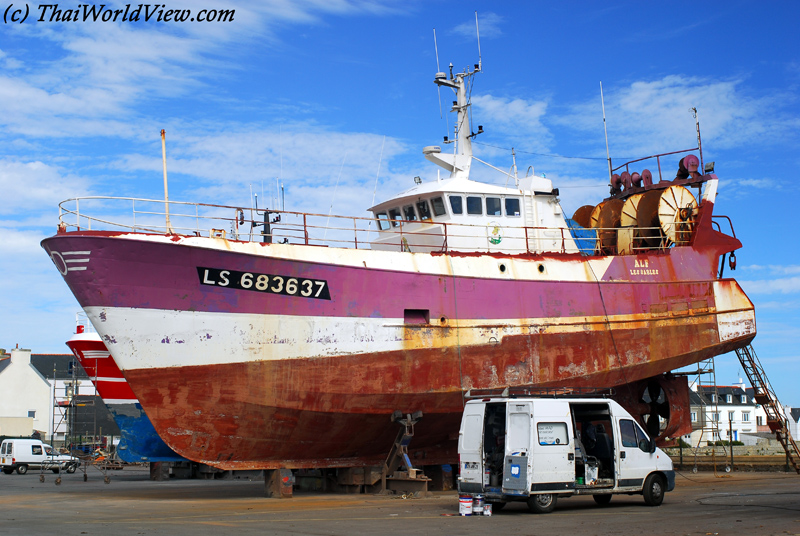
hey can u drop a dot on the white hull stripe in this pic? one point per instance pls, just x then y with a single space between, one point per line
154 338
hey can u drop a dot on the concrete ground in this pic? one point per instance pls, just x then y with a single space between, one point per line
702 504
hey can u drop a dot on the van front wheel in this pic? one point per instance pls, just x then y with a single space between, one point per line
543 503
22 469
71 468
653 490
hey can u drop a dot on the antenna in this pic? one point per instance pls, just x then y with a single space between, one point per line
438 70
477 30
699 145
605 128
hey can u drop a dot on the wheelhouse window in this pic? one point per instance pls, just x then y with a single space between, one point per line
456 204
493 206
383 221
512 207
409 214
438 206
474 205
394 215
424 210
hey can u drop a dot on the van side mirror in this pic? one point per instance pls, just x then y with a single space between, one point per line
647 445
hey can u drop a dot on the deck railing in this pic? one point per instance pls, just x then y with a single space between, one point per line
259 225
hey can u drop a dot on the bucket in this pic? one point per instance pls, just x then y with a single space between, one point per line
465 505
487 509
477 505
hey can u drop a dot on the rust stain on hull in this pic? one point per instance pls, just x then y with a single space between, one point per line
334 411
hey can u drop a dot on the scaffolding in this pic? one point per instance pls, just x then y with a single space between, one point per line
75 416
709 417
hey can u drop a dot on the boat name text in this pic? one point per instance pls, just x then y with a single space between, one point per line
272 284
642 268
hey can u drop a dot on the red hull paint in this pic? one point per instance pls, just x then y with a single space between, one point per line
283 408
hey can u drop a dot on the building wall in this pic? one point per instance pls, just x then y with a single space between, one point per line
24 390
15 426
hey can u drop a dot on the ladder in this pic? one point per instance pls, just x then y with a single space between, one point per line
764 395
707 388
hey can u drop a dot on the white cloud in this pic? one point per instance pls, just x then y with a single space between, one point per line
651 116
787 285
516 121
774 268
90 78
488 24
36 186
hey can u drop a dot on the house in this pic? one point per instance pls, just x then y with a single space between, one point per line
26 397
724 412
49 394
793 414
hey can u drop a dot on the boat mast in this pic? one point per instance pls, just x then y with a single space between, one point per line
458 163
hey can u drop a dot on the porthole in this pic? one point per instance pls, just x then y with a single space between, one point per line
541 268
502 268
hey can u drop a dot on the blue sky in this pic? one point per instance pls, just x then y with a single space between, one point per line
330 95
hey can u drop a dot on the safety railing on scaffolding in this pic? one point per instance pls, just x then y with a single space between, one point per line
765 395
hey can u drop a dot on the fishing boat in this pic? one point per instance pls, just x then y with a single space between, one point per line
261 338
139 441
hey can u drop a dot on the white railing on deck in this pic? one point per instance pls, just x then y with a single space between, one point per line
247 224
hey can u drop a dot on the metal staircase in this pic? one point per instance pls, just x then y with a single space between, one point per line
764 395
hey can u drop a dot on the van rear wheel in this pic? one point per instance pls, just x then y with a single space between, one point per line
653 490
603 499
543 503
22 469
8 470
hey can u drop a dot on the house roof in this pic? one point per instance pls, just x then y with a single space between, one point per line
57 366
795 412
723 391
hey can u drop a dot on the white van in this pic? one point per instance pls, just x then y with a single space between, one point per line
537 449
21 454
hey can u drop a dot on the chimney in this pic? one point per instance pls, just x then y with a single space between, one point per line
20 356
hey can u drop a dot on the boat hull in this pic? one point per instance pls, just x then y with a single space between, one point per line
139 441
241 378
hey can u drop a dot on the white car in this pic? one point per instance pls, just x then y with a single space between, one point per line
21 454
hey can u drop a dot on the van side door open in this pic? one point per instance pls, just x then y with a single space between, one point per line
518 443
471 447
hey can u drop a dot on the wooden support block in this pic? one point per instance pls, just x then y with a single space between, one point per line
278 483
